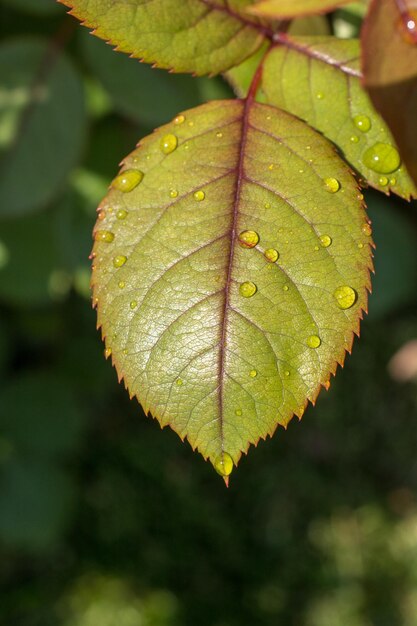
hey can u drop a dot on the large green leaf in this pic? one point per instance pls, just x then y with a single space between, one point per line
327 93
279 9
42 123
390 71
218 339
199 36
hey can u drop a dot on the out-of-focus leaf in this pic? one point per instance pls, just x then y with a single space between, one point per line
201 36
35 501
145 94
390 71
347 21
394 284
42 123
40 416
282 9
329 96
41 7
221 258
311 25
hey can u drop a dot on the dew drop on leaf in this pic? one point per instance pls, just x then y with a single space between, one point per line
362 123
119 260
179 382
121 214
407 26
104 235
199 195
253 373
219 135
180 119
173 193
224 464
314 341
101 215
382 158
325 241
127 180
367 229
248 239
247 289
345 297
238 412
354 139
332 184
383 181
169 143
133 304
271 255
320 95
122 284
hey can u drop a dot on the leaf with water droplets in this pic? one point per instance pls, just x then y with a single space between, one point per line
226 313
198 36
329 96
281 9
389 40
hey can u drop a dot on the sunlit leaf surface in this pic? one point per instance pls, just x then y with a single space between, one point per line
230 272
293 8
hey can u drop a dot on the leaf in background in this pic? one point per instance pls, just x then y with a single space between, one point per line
200 36
39 89
223 255
145 94
281 9
41 7
390 71
328 95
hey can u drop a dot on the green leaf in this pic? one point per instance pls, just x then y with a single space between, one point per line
390 72
328 95
200 36
213 338
40 89
280 9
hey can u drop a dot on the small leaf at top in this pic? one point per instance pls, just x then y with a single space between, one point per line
230 271
328 94
198 36
281 9
389 39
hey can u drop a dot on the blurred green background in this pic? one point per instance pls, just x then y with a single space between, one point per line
105 520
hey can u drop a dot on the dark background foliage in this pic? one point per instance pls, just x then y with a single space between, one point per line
105 519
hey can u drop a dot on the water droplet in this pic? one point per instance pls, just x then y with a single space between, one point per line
119 260
190 124
285 288
133 304
271 255
121 214
393 181
332 184
287 373
314 341
179 382
345 296
224 464
367 229
354 139
127 180
325 241
253 373
168 143
219 135
247 289
101 214
362 123
320 95
107 352
407 26
173 193
267 205
383 181
248 239
316 248
271 166
104 235
122 284
382 158
199 196
180 119
238 412
360 245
